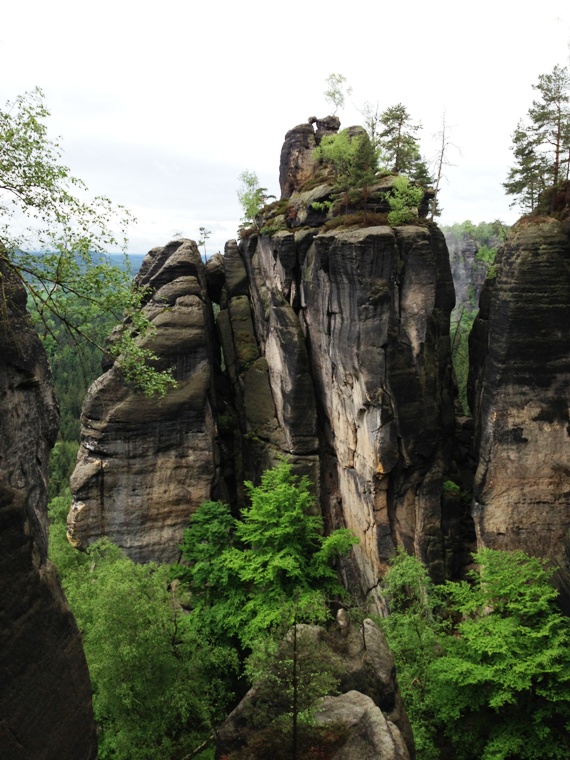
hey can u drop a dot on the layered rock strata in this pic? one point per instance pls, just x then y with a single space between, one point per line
336 354
45 693
354 328
520 396
145 464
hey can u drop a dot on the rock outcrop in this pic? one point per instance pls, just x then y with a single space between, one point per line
467 271
297 163
520 396
336 353
146 464
45 693
370 734
354 328
370 709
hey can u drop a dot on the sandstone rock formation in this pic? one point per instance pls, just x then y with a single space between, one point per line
370 707
354 328
146 464
297 163
468 273
336 354
520 396
370 734
45 694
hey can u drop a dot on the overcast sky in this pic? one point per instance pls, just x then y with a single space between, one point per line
161 106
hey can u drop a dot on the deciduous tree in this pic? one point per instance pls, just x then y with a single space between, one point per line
53 236
336 91
245 574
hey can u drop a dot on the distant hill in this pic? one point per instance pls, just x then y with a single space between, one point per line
135 259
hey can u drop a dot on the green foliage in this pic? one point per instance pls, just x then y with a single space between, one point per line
497 683
336 91
541 147
460 330
290 671
251 196
245 575
503 685
414 634
158 682
53 238
403 201
486 254
485 234
399 146
353 159
324 206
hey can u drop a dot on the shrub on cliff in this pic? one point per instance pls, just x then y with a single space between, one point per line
353 159
404 200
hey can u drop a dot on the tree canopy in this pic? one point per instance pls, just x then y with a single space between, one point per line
484 664
53 237
245 574
541 145
399 146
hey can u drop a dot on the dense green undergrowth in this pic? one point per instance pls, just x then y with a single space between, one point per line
167 646
483 665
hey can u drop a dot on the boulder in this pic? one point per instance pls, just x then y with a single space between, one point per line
297 164
370 734
370 711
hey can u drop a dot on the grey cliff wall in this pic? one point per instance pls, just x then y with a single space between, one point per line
520 395
45 693
353 330
145 464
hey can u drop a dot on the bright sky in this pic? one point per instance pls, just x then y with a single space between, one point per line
160 106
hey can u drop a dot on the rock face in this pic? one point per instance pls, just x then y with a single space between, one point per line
520 395
45 694
468 273
297 163
336 353
145 464
354 329
370 734
370 707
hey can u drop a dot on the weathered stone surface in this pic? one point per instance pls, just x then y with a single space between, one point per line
371 735
146 464
297 164
45 694
354 326
371 705
520 394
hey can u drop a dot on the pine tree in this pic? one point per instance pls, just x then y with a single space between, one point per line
531 174
399 145
541 148
550 118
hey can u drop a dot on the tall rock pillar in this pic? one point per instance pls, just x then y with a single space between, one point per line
45 694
